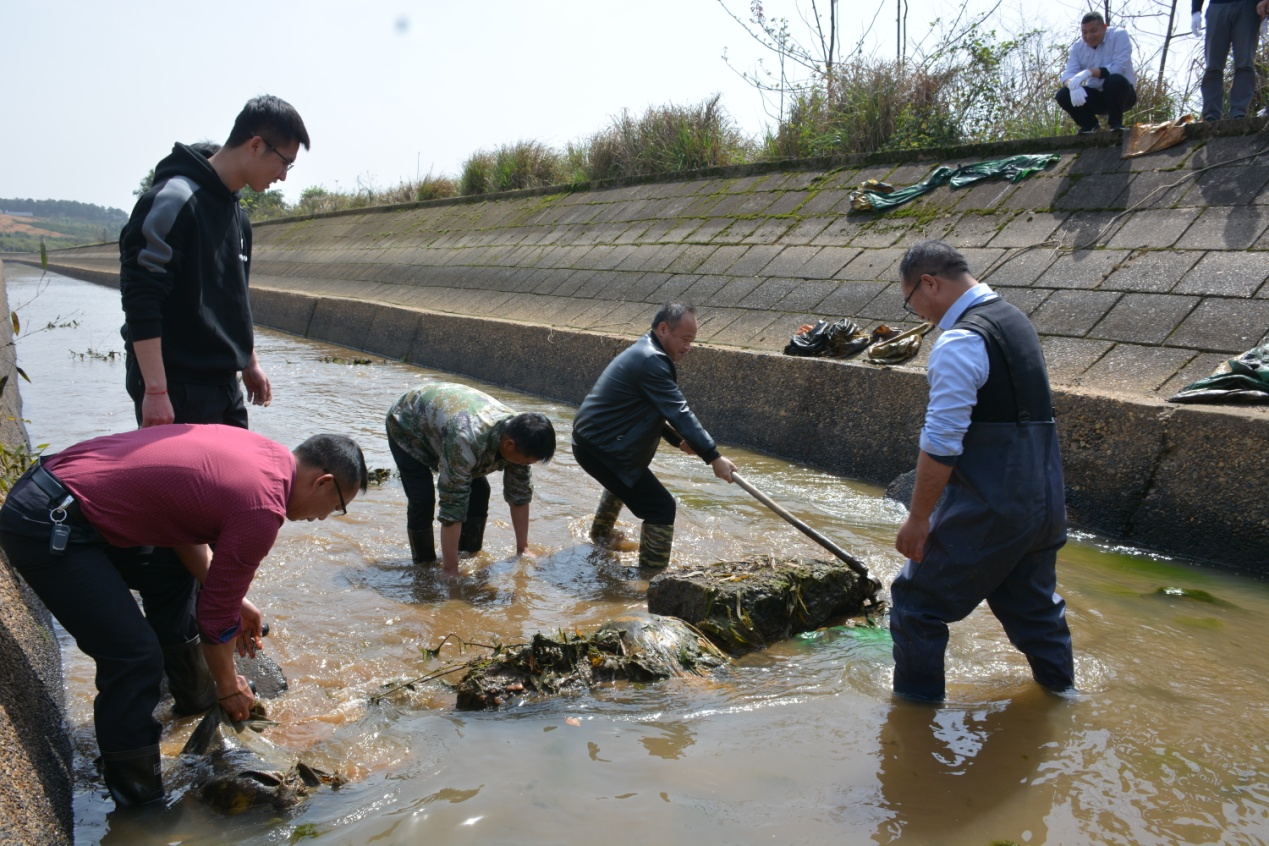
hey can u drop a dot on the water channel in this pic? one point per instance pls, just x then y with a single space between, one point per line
1167 743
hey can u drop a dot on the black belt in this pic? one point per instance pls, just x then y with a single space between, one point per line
59 496
51 486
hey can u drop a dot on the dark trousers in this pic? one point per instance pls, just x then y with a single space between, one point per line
193 402
1233 26
88 589
647 498
1020 589
420 495
1114 98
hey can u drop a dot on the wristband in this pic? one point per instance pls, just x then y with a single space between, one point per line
156 393
229 696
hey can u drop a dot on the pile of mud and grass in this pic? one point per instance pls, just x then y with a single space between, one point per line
746 605
232 768
635 649
699 615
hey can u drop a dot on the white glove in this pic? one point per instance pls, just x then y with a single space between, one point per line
1196 24
1078 96
1079 79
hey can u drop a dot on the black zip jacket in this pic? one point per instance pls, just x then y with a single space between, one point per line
184 258
626 412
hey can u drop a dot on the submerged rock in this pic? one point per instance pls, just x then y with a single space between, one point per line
900 488
634 649
235 769
1192 594
263 673
745 605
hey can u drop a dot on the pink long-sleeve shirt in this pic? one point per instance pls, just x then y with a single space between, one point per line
187 484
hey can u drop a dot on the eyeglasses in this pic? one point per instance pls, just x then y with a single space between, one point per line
907 307
343 506
290 163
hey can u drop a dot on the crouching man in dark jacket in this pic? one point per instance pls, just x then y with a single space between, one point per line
635 403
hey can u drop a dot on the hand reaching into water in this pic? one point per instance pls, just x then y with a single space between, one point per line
251 634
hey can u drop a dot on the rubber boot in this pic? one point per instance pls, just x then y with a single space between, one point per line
422 545
655 542
605 518
471 538
135 777
188 679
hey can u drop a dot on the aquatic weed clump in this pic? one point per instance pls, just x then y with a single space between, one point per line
636 650
746 605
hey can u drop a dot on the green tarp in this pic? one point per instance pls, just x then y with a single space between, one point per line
1242 379
874 196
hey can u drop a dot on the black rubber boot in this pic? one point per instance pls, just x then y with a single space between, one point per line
422 545
134 778
471 539
189 680
655 542
601 527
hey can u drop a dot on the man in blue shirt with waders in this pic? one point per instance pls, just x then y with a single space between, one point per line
989 449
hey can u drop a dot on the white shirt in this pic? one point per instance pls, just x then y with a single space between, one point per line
958 368
1114 54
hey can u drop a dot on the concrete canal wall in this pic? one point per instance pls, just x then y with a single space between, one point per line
1141 276
35 769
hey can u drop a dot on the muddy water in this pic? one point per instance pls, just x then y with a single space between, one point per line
799 744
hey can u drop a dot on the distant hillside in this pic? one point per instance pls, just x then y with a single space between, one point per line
59 223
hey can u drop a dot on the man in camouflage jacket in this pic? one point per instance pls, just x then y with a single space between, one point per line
462 435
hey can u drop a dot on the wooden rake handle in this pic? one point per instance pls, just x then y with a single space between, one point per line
851 561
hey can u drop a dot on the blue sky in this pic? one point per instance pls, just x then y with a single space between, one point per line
389 89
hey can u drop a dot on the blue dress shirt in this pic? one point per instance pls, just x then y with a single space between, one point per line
958 368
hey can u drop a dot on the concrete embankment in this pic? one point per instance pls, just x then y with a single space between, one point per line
35 770
1141 276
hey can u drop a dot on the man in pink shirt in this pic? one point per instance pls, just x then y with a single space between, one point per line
81 525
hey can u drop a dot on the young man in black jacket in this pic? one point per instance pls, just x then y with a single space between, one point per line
635 403
185 256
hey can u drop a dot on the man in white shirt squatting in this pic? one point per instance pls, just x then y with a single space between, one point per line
1098 79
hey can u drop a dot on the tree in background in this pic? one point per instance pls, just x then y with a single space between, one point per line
260 205
831 102
59 223
147 182
961 81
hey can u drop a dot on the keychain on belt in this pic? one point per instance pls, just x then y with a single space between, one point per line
60 535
